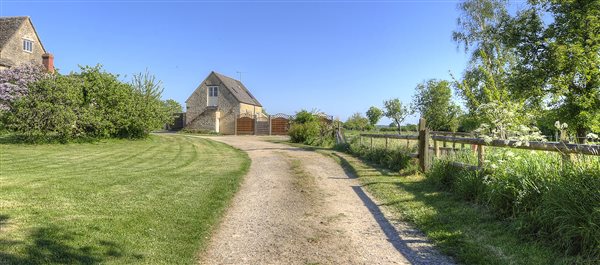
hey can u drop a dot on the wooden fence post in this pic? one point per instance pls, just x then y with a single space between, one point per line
480 155
270 127
436 148
386 143
566 158
371 143
423 145
453 143
255 123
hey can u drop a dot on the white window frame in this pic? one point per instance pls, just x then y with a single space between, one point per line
27 45
213 92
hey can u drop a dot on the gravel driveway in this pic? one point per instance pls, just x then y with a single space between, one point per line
300 207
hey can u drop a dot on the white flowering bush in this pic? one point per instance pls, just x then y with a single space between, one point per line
504 121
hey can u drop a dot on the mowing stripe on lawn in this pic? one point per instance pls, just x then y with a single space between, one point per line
151 201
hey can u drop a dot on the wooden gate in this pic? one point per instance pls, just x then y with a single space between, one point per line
262 124
245 124
280 124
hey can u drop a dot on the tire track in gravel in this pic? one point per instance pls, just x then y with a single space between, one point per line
300 207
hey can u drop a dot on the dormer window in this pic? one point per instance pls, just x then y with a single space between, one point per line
213 95
27 45
213 91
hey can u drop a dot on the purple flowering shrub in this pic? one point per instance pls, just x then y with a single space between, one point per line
14 82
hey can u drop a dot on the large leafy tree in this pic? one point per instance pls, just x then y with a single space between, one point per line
559 63
433 100
545 59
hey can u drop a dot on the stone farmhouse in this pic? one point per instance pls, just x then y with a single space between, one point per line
217 103
20 43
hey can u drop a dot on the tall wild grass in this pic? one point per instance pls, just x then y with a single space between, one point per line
545 197
395 157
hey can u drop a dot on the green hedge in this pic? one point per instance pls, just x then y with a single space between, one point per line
89 104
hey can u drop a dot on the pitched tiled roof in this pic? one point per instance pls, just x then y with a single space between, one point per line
8 28
10 25
239 91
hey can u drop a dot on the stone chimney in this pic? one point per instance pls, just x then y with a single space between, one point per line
48 62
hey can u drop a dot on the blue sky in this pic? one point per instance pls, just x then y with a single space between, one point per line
339 57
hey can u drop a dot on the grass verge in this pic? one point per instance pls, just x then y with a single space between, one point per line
152 201
470 233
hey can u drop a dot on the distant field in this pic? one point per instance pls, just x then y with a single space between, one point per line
352 135
115 202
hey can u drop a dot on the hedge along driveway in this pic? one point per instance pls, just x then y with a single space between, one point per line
151 201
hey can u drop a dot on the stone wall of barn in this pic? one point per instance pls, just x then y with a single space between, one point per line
227 106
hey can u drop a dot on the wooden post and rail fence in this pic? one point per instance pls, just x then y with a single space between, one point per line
425 138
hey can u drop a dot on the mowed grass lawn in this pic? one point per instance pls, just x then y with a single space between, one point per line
150 201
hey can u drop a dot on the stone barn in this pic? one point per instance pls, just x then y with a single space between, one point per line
217 103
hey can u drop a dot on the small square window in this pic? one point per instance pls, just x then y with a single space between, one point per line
27 45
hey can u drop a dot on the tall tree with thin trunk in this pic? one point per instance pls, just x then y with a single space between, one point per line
395 111
479 31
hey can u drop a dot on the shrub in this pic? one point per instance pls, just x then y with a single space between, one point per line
13 85
309 128
90 104
14 82
306 133
50 110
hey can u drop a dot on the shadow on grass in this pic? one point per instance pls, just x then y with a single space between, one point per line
415 255
441 224
13 138
53 245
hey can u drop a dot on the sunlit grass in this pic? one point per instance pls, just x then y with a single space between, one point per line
545 196
470 233
151 201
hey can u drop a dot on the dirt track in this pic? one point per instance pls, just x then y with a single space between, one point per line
300 207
